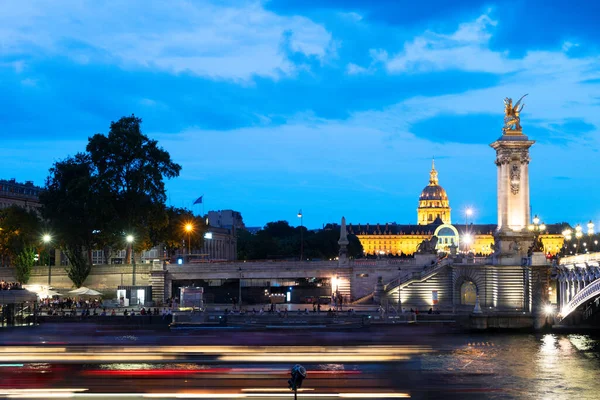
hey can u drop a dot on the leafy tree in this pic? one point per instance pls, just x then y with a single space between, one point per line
79 264
174 234
70 203
131 169
20 229
280 240
116 188
24 263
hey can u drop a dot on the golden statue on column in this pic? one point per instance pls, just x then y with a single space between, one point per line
512 118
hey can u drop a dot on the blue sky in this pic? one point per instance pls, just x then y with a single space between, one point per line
335 107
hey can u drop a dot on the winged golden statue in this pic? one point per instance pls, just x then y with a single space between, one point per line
512 119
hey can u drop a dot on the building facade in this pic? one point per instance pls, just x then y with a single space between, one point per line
226 219
434 219
25 195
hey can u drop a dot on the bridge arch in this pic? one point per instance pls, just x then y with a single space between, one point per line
464 282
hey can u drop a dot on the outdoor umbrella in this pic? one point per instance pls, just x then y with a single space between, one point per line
84 291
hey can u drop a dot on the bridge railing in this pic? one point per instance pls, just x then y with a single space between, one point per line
417 275
580 258
588 292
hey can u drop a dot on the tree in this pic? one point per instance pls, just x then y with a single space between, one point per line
20 229
24 263
116 188
71 204
280 240
131 169
173 235
79 264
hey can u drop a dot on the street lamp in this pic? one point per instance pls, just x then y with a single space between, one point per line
568 235
578 234
47 239
537 227
189 228
301 234
467 239
129 240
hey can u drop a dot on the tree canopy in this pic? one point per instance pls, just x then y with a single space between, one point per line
280 240
20 230
115 188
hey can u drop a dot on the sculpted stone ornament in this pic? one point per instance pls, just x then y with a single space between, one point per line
515 178
512 118
428 246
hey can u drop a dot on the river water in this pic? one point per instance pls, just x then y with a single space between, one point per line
548 366
438 364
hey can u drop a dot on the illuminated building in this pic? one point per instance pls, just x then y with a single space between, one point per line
433 202
433 219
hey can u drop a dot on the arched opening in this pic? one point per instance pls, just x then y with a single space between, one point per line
468 293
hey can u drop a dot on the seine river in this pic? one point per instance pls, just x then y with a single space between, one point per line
547 366
415 362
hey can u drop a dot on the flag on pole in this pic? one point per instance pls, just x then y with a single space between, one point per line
199 200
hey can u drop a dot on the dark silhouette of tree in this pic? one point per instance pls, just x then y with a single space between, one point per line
72 206
95 199
20 230
280 240
173 235
131 169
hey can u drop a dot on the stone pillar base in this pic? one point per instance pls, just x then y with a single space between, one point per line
511 247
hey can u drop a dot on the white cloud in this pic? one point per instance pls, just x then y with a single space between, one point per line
352 16
568 45
353 69
205 39
465 49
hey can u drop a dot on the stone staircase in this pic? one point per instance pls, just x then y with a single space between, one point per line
344 284
417 276
406 280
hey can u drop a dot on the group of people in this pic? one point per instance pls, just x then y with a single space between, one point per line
10 285
69 302
95 311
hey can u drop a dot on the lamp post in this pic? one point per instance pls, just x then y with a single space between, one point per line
129 240
189 228
590 231
468 213
568 235
578 235
47 239
301 216
537 227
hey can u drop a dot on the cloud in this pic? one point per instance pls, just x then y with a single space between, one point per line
353 69
465 49
211 40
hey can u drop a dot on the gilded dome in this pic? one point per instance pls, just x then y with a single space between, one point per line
433 202
433 192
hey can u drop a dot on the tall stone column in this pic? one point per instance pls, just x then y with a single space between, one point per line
512 239
343 242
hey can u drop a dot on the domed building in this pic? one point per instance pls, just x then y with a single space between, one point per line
433 202
433 219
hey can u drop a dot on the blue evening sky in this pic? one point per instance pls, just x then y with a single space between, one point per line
334 107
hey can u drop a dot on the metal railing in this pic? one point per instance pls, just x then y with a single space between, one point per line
420 275
580 258
585 294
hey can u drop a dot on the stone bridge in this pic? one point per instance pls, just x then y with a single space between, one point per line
578 283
